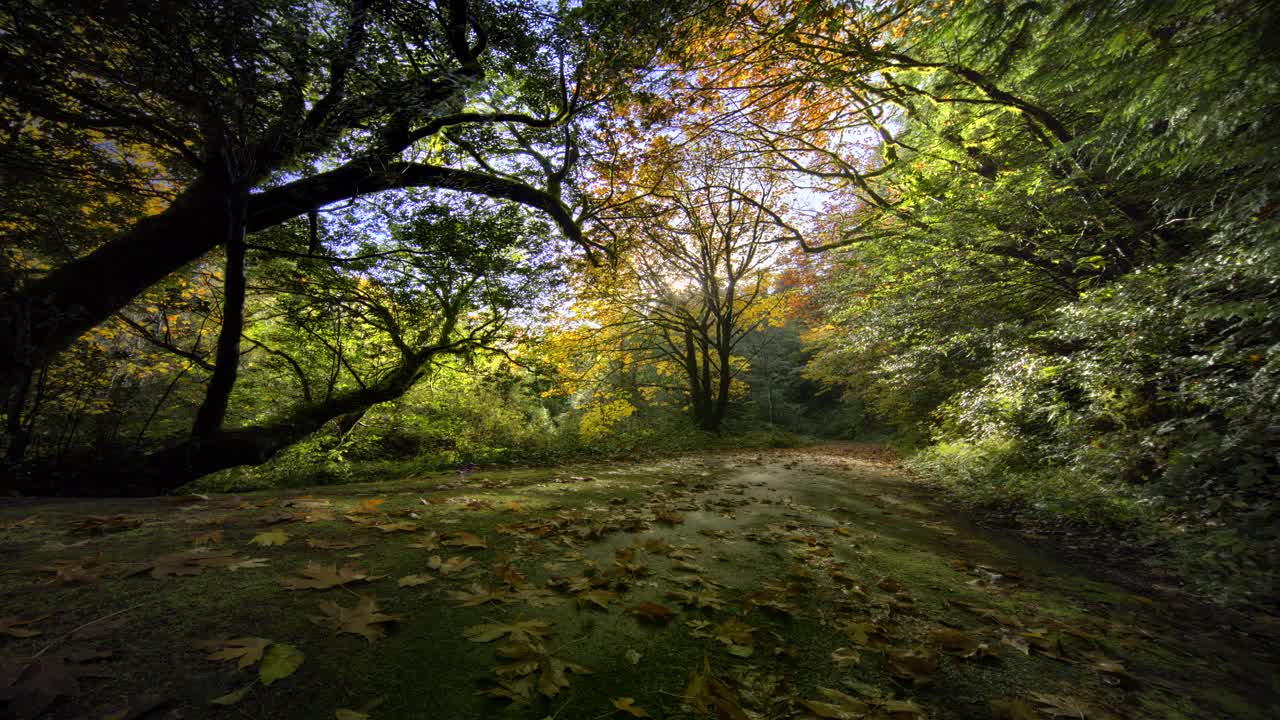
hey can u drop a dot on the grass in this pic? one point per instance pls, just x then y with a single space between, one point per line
750 520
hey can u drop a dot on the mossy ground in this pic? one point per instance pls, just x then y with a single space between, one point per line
836 532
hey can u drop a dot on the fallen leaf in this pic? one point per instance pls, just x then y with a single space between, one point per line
454 564
837 706
26 522
84 571
246 650
844 657
33 684
280 662
10 625
102 524
248 564
652 612
403 526
628 705
707 600
414 580
466 540
322 577
270 538
955 642
320 544
365 618
183 563
345 714
709 694
597 598
526 631
429 541
529 659
476 594
916 666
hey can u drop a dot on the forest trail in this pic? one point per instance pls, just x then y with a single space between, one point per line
812 582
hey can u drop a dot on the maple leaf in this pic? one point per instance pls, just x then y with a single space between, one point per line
476 594
466 540
184 563
531 659
246 650
365 618
628 705
596 598
705 600
520 631
31 685
414 580
652 612
867 634
248 564
770 602
269 538
837 706
710 695
535 597
736 636
916 666
452 566
102 524
508 574
321 577
10 625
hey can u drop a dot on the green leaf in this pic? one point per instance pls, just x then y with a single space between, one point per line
281 661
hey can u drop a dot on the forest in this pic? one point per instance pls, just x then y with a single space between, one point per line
746 359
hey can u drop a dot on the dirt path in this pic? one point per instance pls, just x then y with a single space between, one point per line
772 584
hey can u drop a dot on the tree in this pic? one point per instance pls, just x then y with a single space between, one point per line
693 283
183 128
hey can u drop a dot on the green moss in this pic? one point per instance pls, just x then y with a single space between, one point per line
739 509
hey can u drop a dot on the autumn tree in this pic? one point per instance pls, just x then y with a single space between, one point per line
169 131
693 283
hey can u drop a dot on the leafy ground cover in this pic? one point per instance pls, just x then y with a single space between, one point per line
809 582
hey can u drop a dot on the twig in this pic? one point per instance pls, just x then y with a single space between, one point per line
62 638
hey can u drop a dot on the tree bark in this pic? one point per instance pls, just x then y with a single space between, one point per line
226 365
51 313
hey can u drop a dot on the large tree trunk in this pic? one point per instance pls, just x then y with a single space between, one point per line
48 315
227 358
